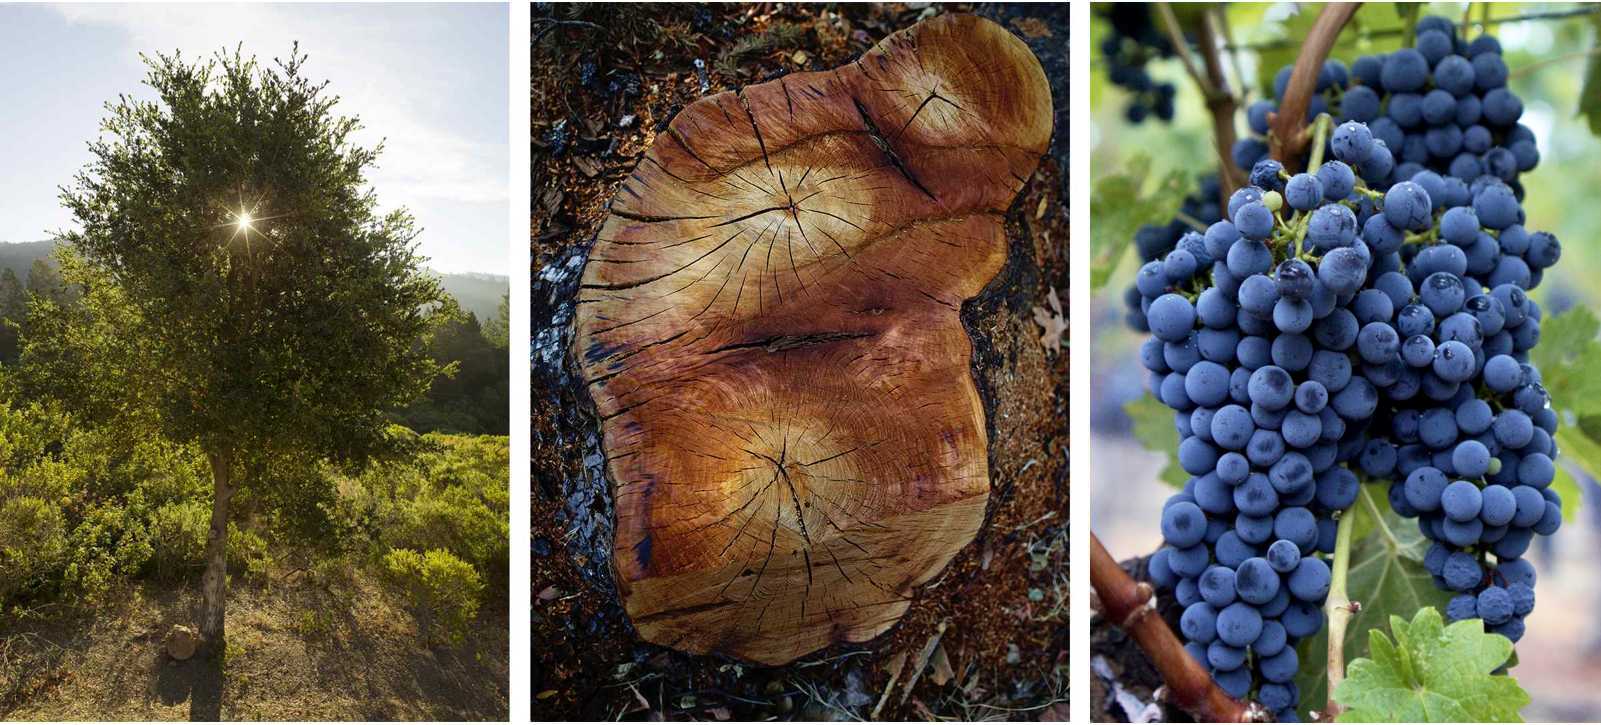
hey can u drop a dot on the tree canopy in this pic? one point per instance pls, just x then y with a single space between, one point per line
264 297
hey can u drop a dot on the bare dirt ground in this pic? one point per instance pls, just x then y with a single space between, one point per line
305 648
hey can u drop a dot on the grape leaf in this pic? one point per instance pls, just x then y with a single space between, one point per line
1431 672
1569 358
1386 576
1574 445
1120 205
1590 97
1153 427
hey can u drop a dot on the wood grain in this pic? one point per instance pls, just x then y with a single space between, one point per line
768 325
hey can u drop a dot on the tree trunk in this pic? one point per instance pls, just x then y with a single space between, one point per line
214 585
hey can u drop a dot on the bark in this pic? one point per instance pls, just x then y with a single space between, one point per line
214 584
1288 136
1131 606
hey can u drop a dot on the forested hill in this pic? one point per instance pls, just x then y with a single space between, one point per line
477 292
20 256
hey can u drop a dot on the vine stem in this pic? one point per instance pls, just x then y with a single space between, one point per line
1320 135
1548 62
1287 137
1339 608
1131 606
1484 22
1220 102
1222 19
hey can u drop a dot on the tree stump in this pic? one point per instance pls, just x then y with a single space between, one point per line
769 327
182 642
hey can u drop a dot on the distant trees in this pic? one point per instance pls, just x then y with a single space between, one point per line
43 280
476 398
241 290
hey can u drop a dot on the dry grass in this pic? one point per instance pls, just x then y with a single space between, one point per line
319 645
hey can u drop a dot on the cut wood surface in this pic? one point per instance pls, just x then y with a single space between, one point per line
769 327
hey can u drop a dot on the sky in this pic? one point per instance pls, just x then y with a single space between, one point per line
430 81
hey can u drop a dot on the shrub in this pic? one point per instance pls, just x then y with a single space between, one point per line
453 497
110 541
443 589
248 557
32 541
178 538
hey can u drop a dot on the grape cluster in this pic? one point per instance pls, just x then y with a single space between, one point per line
1441 109
1467 435
1371 314
1154 241
1133 42
1253 332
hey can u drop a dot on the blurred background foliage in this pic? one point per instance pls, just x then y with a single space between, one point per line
1140 172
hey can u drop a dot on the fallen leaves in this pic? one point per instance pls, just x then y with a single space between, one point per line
943 673
1052 321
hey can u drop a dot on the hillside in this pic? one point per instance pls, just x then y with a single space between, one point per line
477 292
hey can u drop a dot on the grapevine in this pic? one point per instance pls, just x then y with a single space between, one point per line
1364 320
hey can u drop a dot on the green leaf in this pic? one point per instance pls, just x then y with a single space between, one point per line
1590 97
1120 205
1431 673
1153 427
1574 445
1386 577
1569 358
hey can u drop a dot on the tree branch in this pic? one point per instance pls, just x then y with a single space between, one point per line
1287 137
1131 606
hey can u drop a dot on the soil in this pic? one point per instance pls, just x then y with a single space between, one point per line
994 624
307 647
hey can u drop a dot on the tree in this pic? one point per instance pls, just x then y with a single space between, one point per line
242 291
45 281
475 397
498 330
13 309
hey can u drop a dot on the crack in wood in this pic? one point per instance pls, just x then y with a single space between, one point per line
884 146
780 343
778 486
